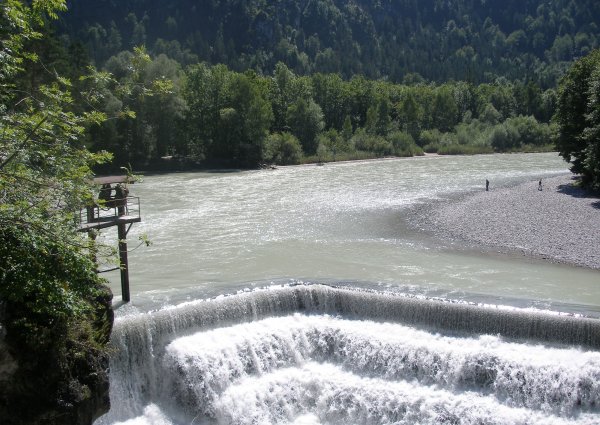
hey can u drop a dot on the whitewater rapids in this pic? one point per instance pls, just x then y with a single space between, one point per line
314 354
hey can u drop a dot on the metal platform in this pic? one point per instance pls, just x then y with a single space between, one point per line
113 213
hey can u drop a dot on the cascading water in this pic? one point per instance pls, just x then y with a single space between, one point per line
324 355
436 334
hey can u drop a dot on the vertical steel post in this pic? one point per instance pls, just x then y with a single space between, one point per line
123 254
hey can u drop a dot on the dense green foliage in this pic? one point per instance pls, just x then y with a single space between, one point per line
213 86
44 180
46 168
221 117
345 79
54 313
578 117
399 40
228 114
192 111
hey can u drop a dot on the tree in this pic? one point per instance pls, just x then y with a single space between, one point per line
591 134
504 137
282 149
578 118
306 122
285 88
228 114
205 93
410 115
531 132
331 95
47 278
347 130
164 110
362 97
383 117
490 115
44 168
445 111
371 120
402 41
253 119
135 85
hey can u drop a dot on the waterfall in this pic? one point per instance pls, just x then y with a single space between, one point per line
330 355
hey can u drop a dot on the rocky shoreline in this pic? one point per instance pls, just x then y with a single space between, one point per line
560 223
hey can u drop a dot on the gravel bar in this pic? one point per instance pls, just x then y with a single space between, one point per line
560 223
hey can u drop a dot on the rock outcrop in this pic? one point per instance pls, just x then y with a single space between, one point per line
61 375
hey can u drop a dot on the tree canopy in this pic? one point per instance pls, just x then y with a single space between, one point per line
208 83
53 310
44 177
578 118
398 40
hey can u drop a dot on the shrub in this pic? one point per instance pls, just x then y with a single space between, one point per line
371 143
431 148
282 149
464 149
531 132
404 144
430 137
504 137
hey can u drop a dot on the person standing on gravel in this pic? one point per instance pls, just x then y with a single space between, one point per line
487 185
540 185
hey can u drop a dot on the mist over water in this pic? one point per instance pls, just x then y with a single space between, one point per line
439 333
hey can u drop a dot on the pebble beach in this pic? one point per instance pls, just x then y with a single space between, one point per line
560 223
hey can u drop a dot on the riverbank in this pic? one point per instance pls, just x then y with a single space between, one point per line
559 223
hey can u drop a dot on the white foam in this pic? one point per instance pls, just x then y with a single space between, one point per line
186 360
333 396
203 366
152 416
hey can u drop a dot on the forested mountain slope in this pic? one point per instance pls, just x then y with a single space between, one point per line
400 40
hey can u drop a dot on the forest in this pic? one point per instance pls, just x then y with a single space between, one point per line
407 41
228 83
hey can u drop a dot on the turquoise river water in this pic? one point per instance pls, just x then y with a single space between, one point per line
303 296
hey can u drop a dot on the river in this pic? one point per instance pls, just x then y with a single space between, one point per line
317 263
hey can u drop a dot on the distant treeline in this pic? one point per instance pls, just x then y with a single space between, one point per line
214 115
404 41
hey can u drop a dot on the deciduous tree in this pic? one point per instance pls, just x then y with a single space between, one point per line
578 118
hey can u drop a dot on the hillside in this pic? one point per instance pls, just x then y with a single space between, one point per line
399 40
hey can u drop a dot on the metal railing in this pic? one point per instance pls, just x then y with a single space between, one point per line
110 210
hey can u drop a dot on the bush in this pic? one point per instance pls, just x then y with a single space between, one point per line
531 132
51 280
371 143
404 144
430 137
282 149
464 149
431 148
504 137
